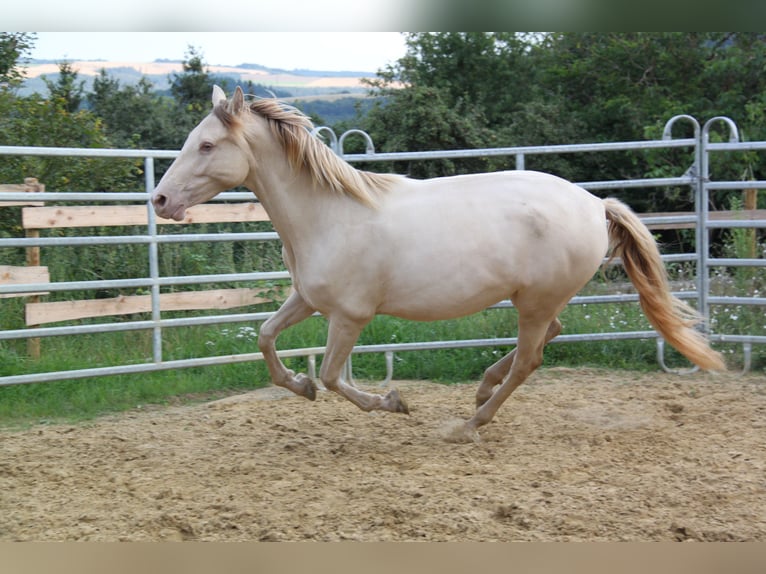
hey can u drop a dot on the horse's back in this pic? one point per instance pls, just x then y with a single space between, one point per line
525 211
515 189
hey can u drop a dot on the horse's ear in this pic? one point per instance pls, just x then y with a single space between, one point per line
218 95
237 101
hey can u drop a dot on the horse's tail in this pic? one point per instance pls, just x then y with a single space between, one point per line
672 318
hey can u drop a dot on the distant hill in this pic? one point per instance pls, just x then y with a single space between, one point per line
295 82
330 97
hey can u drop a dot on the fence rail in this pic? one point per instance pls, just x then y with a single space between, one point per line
134 209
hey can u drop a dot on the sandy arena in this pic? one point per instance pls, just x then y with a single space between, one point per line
572 455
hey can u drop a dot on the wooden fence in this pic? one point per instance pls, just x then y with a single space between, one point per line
35 216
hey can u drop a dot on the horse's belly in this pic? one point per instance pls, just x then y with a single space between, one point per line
430 291
432 308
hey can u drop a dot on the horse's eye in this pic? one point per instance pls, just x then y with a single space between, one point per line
206 147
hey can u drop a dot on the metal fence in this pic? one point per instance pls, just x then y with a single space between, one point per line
697 177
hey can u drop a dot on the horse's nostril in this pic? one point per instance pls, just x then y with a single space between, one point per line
159 200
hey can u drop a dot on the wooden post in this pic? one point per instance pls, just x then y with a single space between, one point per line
751 203
31 185
33 260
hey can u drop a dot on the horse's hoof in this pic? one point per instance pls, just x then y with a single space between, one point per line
396 402
309 387
460 432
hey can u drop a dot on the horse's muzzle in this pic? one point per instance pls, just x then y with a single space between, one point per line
164 207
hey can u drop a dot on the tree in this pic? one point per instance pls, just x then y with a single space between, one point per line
14 47
192 88
490 72
66 88
34 121
134 115
191 92
450 91
625 86
422 119
513 89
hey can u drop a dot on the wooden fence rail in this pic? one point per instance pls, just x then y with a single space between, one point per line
115 215
36 216
56 311
743 214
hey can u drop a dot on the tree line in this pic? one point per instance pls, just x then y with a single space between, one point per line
451 90
473 89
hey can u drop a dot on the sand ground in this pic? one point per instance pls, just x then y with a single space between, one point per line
574 454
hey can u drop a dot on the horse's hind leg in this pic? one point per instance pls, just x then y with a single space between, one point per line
495 374
529 356
341 336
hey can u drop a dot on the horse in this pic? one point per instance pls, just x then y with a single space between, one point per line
358 244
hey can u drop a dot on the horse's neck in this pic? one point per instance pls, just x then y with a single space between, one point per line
299 211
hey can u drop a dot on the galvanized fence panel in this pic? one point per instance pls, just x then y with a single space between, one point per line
696 177
707 263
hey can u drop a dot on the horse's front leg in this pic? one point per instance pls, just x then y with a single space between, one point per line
341 337
293 311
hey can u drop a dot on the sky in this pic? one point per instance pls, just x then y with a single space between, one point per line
376 15
208 15
327 51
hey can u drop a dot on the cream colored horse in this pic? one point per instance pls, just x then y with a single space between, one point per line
359 244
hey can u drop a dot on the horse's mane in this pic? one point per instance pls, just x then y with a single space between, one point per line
292 130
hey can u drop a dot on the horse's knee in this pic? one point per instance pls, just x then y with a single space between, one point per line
266 338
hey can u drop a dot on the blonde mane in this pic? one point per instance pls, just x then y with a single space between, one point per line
305 151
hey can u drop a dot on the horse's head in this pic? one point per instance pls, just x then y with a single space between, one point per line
214 158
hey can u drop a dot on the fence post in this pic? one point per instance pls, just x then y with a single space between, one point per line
699 227
704 211
154 266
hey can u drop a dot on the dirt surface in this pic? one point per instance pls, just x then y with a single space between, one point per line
572 455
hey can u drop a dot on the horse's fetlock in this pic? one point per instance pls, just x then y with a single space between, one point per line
331 385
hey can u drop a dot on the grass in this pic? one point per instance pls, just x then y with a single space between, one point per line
84 399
